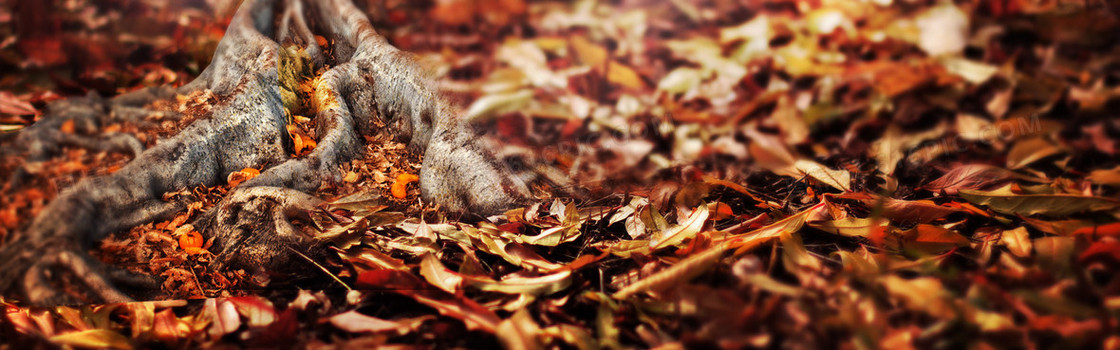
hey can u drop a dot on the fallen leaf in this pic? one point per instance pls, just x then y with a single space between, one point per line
1017 241
257 310
932 239
94 338
473 315
1005 201
848 226
1111 229
237 177
975 177
10 104
674 275
438 275
520 332
399 188
679 233
838 179
1030 150
1109 177
356 322
167 327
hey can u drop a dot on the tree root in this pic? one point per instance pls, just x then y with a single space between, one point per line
86 116
251 227
368 83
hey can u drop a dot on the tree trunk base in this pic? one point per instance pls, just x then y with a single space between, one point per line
256 71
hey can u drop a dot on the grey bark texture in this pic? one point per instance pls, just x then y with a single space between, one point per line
368 80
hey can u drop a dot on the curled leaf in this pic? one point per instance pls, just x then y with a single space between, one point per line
400 186
237 177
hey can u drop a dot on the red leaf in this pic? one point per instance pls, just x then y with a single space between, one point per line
473 315
1112 229
10 104
1103 249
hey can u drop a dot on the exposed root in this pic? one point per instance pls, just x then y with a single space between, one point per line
251 228
367 83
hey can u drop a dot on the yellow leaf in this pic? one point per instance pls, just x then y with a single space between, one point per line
589 53
674 275
624 76
1030 150
94 338
438 275
920 294
1018 241
1110 177
838 179
520 332
678 234
849 226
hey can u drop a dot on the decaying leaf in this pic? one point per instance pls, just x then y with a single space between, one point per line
975 177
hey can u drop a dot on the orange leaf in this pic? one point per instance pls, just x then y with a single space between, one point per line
191 242
308 143
237 177
67 127
400 187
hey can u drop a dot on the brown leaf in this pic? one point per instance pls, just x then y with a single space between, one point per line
21 320
535 285
143 317
1110 177
926 294
1054 205
674 275
438 275
787 226
1027 151
975 177
520 332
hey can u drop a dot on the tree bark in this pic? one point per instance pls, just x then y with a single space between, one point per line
367 80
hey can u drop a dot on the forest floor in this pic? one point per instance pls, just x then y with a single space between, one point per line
807 174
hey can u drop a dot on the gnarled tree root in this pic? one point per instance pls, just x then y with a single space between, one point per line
367 79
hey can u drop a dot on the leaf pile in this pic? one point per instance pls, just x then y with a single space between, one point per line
779 173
